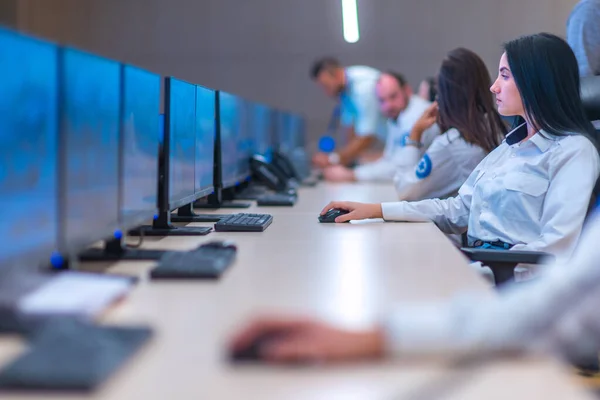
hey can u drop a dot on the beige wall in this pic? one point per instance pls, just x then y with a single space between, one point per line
8 13
262 49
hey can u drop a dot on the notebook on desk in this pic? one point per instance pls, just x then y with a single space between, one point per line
37 295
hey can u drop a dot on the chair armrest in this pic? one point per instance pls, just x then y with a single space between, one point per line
492 256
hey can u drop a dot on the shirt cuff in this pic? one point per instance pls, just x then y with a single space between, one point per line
399 211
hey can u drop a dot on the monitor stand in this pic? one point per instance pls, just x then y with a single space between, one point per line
252 192
187 214
162 227
116 249
216 201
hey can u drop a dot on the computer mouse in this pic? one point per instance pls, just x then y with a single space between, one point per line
251 352
220 244
332 214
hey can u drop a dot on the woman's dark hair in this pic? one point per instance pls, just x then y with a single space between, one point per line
465 101
547 76
432 94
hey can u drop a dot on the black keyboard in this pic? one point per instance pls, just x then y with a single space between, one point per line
208 261
244 223
72 355
277 199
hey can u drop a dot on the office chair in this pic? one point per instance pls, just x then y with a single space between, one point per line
503 262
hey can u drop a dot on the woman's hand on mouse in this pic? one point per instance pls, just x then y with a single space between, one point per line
356 210
306 340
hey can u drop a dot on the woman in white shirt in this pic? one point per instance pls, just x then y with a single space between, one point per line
472 128
516 197
538 80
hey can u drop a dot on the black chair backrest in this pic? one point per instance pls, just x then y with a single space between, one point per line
590 96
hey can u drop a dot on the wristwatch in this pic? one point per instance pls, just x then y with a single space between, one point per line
410 142
334 158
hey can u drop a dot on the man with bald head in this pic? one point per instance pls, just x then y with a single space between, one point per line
403 109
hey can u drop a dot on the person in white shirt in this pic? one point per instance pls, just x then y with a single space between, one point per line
472 128
561 307
354 88
515 198
402 109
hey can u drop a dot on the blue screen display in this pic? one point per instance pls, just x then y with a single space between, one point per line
290 131
182 140
89 110
297 131
205 138
261 128
28 149
140 128
230 113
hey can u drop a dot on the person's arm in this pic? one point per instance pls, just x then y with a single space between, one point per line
573 176
450 215
435 172
380 170
405 158
556 312
367 124
583 35
356 147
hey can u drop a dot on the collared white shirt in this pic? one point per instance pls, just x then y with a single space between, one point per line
398 130
441 171
534 194
359 105
557 312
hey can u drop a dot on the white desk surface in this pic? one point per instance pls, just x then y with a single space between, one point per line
348 274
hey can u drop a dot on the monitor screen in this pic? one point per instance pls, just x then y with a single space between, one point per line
297 129
140 142
181 110
229 114
89 119
261 130
290 131
246 141
28 147
205 140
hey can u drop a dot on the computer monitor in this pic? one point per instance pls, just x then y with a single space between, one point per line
177 160
205 141
180 131
139 147
90 93
290 154
235 166
28 150
289 131
298 131
261 126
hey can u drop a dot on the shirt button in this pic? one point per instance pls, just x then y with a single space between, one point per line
513 155
485 205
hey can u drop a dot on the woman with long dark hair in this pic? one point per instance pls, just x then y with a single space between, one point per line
533 191
539 180
471 127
